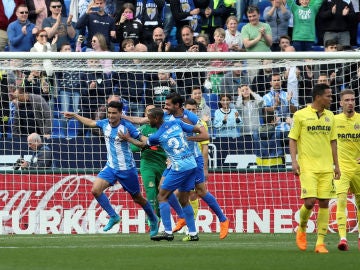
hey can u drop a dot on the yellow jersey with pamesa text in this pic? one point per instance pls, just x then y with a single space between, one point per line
313 134
348 141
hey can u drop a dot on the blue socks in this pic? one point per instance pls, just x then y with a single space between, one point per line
150 212
105 204
213 204
189 217
165 215
174 203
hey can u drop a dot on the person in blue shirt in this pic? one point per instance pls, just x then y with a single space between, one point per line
120 165
182 173
21 33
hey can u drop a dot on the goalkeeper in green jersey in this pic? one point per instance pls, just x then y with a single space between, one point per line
347 126
152 165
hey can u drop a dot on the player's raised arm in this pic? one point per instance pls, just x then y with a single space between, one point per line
202 135
135 119
85 121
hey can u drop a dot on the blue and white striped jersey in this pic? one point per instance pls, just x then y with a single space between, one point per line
119 154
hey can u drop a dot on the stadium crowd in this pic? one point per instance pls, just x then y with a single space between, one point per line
259 103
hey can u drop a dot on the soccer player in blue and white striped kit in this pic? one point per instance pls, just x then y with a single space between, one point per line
181 176
120 165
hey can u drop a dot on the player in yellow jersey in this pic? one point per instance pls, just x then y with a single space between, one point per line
347 126
313 150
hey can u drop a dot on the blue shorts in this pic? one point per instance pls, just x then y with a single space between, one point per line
199 174
128 179
183 180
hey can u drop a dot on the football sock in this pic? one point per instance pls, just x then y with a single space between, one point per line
322 225
304 217
341 214
174 203
105 204
189 217
213 204
151 196
165 216
149 211
195 206
357 201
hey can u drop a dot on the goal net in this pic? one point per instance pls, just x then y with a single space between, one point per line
249 163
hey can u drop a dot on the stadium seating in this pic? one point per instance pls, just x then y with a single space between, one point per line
72 128
262 5
57 129
212 100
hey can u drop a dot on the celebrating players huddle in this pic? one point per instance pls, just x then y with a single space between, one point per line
175 130
324 149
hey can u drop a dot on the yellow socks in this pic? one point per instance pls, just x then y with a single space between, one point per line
341 214
304 217
322 224
195 205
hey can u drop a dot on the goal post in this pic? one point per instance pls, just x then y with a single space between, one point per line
249 169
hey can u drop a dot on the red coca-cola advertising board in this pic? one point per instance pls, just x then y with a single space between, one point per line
63 204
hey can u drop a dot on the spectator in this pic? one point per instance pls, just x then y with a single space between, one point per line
203 38
277 16
97 21
354 24
21 32
7 15
304 31
261 82
257 36
284 42
249 105
149 13
68 86
306 84
336 18
233 79
58 25
211 17
291 76
219 45
226 120
232 36
42 45
185 13
96 86
38 11
162 86
203 110
99 45
127 26
186 80
32 114
41 157
127 45
268 149
38 83
158 43
282 104
133 85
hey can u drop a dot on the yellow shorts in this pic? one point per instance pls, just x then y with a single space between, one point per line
317 185
348 181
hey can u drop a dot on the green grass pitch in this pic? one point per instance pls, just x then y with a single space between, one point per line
137 251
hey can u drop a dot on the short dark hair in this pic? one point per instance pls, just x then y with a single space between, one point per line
330 42
319 89
116 105
156 112
252 9
175 98
190 101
